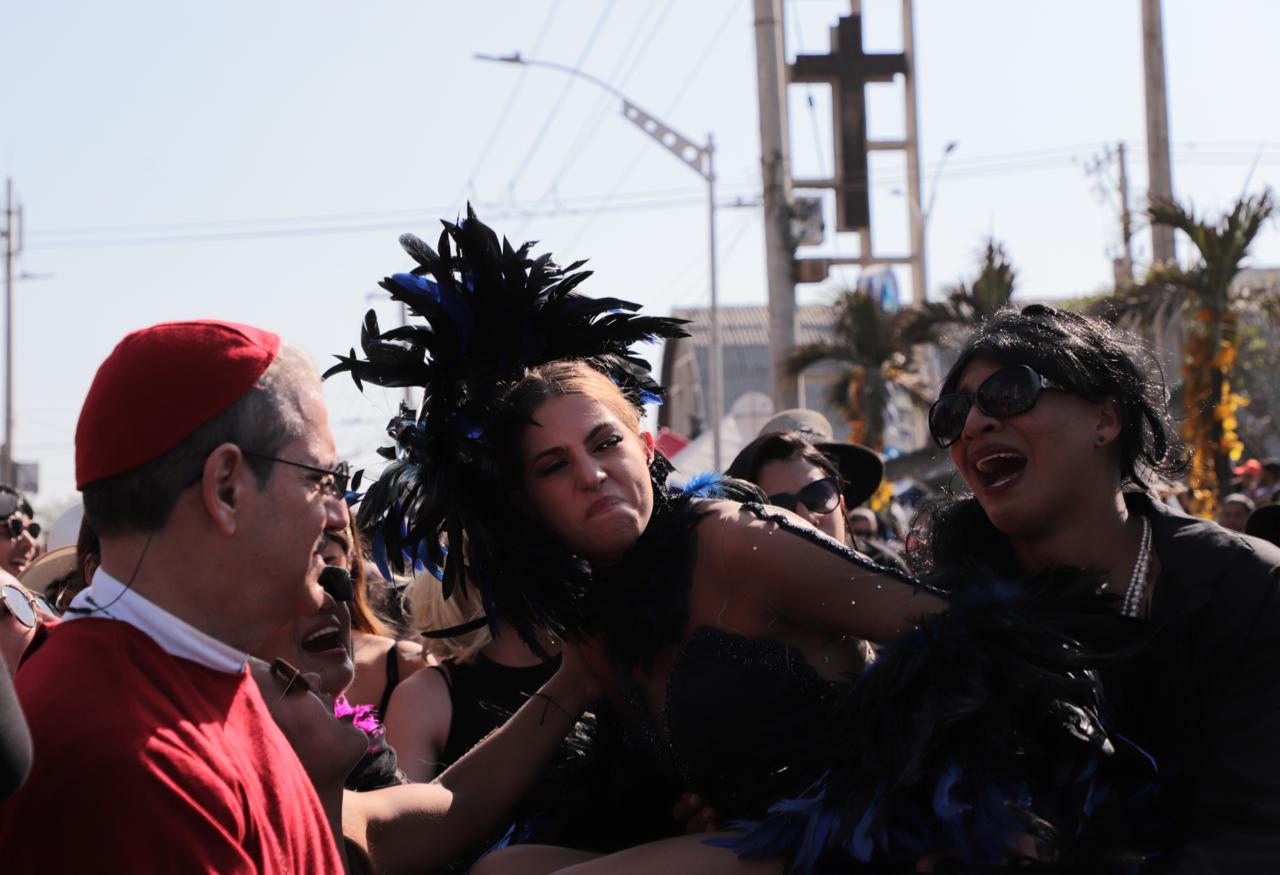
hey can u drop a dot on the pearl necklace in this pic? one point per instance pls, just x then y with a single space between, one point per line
1138 582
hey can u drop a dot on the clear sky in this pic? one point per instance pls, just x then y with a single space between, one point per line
256 161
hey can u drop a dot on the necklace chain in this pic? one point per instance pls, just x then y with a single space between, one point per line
1141 569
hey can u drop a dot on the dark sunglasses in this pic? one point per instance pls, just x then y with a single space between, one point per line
14 527
291 676
24 606
820 496
1007 392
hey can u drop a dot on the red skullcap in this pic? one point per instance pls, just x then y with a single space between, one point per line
159 385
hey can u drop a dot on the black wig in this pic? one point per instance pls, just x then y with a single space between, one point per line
1086 357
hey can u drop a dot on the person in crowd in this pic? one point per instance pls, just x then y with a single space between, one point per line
1056 427
723 631
18 534
1234 512
1268 488
1247 476
24 616
820 482
419 827
381 661
440 713
56 574
208 473
321 648
863 523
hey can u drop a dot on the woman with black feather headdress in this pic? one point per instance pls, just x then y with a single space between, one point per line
723 630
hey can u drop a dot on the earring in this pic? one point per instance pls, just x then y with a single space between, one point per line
1102 439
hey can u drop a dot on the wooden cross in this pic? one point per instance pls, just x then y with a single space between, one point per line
848 68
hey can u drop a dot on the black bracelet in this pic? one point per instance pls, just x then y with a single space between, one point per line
551 700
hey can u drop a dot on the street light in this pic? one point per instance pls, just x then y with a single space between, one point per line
701 158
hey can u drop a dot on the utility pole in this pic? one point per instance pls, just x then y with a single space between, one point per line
12 246
1126 219
1160 176
919 267
776 168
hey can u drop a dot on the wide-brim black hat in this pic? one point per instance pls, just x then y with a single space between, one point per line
861 467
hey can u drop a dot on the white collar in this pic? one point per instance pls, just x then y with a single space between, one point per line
108 597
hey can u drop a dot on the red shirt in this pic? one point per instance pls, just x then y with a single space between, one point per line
146 762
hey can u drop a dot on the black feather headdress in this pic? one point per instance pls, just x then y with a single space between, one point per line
489 313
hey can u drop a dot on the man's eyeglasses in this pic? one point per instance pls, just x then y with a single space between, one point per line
14 527
291 676
24 606
1008 392
336 479
820 496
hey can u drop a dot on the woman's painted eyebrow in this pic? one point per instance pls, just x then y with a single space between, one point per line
591 436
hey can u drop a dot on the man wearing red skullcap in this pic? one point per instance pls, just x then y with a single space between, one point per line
209 474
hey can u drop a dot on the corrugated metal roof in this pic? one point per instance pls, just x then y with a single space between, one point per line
749 326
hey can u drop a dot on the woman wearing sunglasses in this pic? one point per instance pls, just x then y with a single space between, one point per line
18 533
1058 431
809 480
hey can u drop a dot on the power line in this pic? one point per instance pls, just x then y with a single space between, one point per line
679 96
586 205
564 93
617 78
559 211
506 109
808 92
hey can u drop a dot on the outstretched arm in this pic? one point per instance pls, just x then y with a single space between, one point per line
805 577
421 826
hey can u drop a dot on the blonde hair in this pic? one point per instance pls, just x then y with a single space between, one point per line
571 377
431 610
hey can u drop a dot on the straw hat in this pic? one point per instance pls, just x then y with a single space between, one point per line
860 467
59 559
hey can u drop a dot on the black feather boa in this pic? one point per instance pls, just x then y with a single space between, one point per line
979 725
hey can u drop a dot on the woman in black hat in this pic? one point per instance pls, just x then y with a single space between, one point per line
819 482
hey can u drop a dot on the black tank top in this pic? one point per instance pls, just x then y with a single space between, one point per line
484 694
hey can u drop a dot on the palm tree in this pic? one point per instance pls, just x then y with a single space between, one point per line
870 344
966 305
1210 311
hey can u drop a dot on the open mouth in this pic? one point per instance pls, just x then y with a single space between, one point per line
999 469
324 640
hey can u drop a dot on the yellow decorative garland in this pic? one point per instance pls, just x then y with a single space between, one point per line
1205 369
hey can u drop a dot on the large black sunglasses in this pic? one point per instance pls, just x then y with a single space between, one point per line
1007 392
820 496
14 527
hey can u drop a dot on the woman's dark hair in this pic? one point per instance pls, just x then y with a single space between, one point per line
1086 357
779 447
